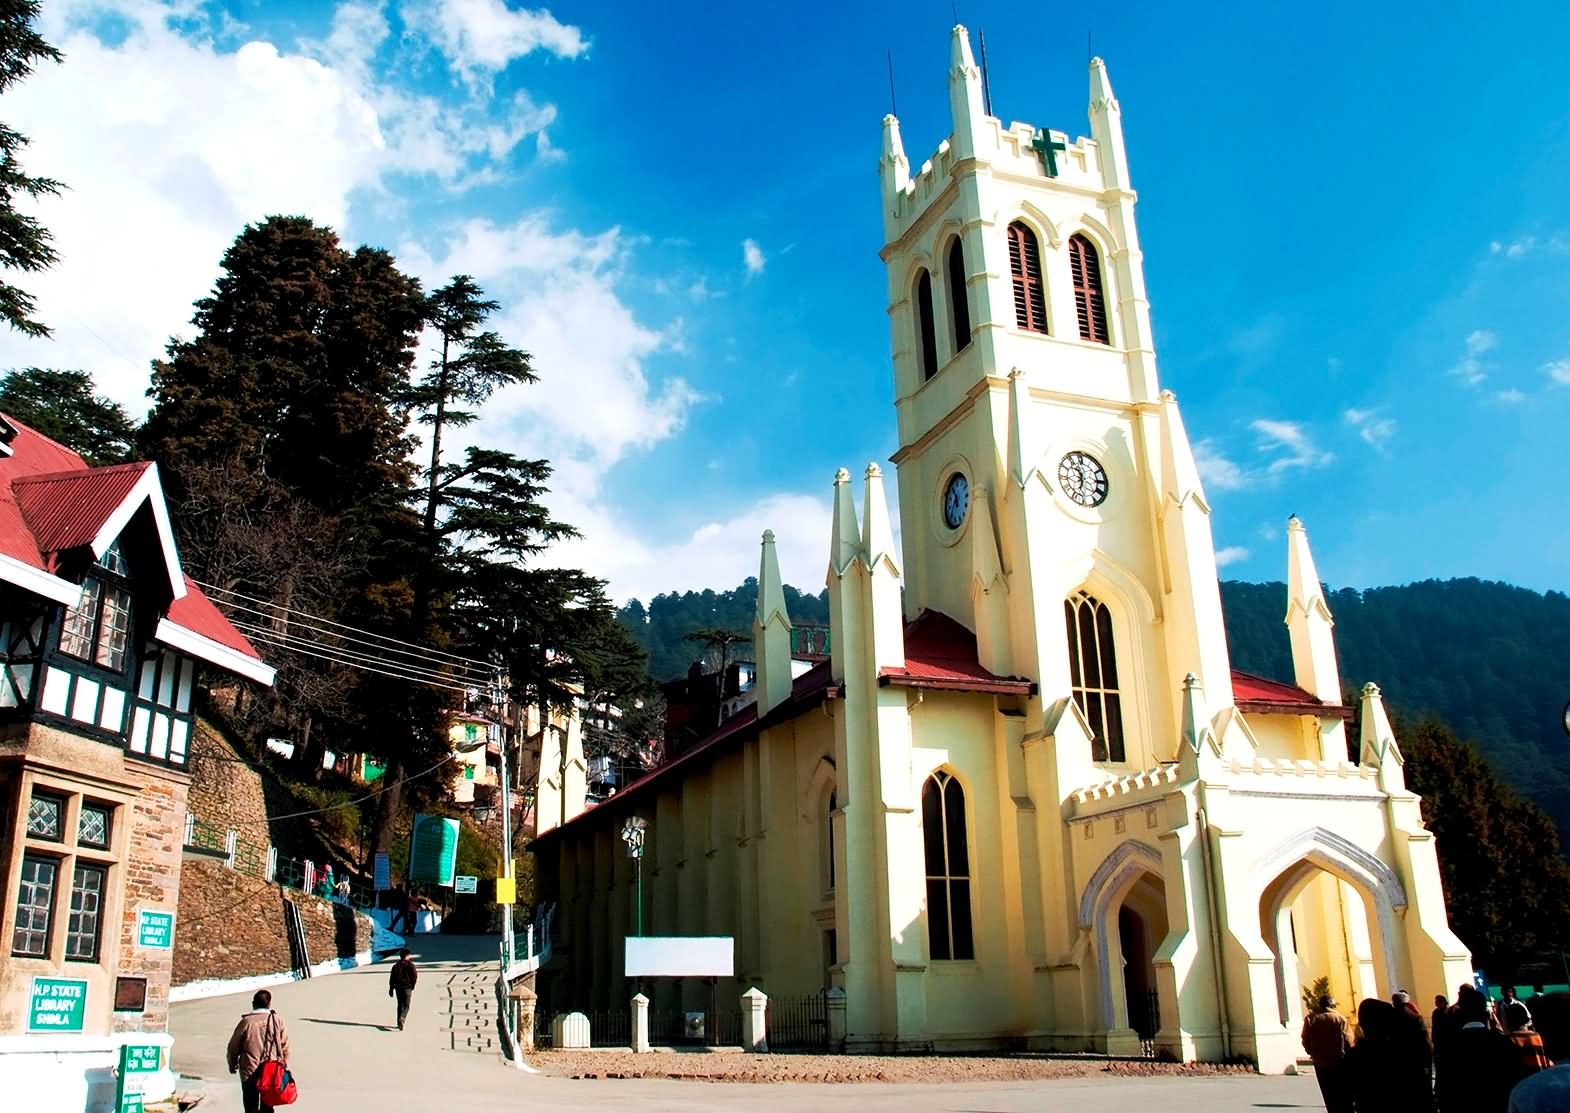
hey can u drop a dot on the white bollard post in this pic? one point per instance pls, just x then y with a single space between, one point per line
640 1024
834 999
754 1020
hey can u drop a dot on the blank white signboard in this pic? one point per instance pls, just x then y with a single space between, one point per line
681 956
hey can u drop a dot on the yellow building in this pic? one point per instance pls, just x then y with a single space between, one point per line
1027 802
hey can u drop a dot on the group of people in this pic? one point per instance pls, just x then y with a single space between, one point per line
1473 1056
261 1036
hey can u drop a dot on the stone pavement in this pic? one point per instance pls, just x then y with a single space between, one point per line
350 1058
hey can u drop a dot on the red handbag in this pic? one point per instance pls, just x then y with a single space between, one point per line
274 1084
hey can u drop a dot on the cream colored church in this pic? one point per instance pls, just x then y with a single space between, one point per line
1028 802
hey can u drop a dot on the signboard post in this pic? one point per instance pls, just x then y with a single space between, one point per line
506 890
57 1005
433 849
154 928
135 1059
381 869
466 883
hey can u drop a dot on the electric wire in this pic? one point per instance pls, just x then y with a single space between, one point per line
422 649
291 647
407 669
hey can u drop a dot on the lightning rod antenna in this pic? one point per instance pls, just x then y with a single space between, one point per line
893 104
986 80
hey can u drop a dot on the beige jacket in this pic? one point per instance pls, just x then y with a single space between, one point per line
252 1044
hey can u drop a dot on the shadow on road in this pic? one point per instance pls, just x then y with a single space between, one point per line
345 1023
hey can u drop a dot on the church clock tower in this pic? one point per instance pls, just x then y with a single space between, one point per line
1048 494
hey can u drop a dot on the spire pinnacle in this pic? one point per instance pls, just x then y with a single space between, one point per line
1304 590
845 541
1180 472
965 94
1101 87
893 167
877 534
771 588
1022 456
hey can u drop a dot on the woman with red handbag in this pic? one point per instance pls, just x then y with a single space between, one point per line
259 1054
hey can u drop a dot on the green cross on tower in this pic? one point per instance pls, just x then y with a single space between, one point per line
1047 149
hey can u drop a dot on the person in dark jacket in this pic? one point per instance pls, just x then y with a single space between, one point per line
1478 1063
1381 1071
400 984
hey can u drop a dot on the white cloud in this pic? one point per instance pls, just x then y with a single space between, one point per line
752 257
1231 554
1515 249
720 551
170 142
1470 368
1290 445
1215 469
480 38
1558 371
1510 396
1374 429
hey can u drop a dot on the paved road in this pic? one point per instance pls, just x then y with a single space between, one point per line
350 1058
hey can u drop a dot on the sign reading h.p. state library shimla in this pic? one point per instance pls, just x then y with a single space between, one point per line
57 1005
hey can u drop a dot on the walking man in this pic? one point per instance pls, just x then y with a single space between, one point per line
1327 1039
400 983
258 1037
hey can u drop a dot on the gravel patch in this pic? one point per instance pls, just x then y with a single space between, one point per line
740 1067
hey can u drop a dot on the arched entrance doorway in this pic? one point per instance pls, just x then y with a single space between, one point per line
1125 908
1142 925
1328 912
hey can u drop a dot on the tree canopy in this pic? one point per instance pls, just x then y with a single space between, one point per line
25 244
63 406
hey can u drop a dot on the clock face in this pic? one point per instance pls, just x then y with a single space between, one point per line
956 500
1083 479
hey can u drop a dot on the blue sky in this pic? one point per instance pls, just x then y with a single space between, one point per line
1355 222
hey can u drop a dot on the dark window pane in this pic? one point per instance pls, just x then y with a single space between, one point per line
1073 643
1084 615
1098 734
1109 663
938 941
92 827
44 817
959 917
928 329
954 816
87 894
959 296
932 826
76 630
35 893
1114 725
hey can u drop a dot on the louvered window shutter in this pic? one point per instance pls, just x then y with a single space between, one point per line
1030 303
1089 303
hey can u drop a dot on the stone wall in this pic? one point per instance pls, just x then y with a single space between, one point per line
152 878
225 790
232 926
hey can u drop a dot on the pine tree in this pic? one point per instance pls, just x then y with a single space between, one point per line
24 241
62 406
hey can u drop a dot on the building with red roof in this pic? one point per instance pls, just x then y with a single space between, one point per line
102 640
1027 802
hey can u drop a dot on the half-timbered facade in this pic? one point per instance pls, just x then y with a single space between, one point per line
101 640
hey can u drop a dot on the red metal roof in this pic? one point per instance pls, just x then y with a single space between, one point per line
940 653
1256 693
196 613
65 510
51 501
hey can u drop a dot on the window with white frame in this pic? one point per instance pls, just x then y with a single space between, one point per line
1093 672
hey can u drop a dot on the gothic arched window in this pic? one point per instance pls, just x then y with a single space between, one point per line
959 295
1093 671
948 868
828 837
1085 265
1030 300
927 331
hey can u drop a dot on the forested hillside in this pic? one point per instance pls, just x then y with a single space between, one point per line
1491 660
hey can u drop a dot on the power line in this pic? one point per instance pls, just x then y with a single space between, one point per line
424 649
439 670
262 635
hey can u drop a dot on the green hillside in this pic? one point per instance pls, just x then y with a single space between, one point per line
1490 659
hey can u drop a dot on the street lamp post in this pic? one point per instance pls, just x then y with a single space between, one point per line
632 833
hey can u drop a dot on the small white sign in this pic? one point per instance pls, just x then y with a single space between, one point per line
680 956
465 883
